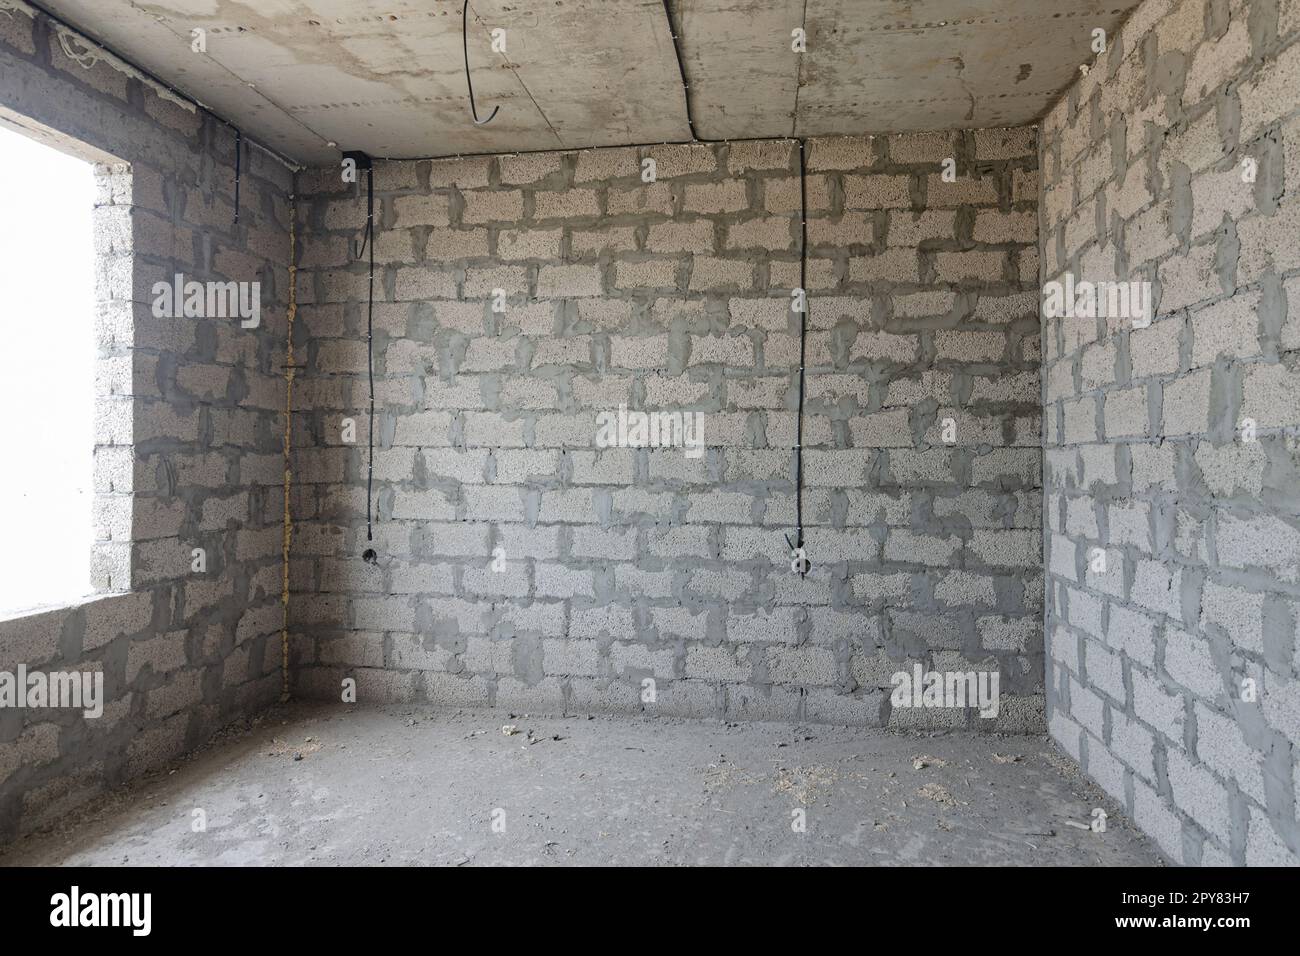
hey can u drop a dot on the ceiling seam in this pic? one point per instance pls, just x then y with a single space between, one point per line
232 74
524 86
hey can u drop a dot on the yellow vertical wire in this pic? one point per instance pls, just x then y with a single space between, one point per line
288 431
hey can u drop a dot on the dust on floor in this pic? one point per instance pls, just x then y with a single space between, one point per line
344 785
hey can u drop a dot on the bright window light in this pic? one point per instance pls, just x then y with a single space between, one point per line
47 373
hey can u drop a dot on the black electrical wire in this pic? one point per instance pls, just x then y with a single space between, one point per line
803 337
239 158
370 348
368 242
681 71
464 40
800 561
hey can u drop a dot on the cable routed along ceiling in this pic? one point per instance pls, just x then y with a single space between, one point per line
388 77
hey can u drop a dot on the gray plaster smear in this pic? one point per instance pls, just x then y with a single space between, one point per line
1101 513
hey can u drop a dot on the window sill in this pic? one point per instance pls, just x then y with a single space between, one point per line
67 605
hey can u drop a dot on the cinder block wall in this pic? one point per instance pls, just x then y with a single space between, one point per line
190 417
1147 457
627 564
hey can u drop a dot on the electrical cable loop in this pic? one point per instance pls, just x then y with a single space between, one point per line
464 39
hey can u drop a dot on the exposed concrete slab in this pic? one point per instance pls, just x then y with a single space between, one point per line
402 786
388 77
883 65
159 41
743 74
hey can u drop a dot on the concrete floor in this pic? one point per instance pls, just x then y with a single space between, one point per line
338 785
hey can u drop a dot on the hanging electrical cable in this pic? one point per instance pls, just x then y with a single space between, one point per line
370 359
798 557
239 169
289 369
363 161
464 39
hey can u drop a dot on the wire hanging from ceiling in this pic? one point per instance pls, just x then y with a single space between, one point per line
464 39
799 559
239 168
367 243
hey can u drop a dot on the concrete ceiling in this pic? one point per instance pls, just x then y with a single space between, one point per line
311 77
878 66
